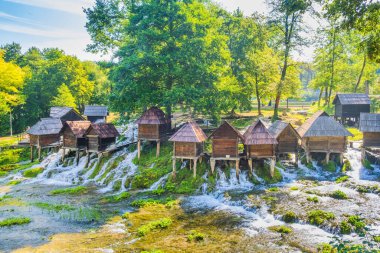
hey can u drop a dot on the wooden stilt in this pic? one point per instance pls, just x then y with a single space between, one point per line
77 157
212 163
190 164
237 169
39 153
158 149
341 158
308 158
195 168
174 167
87 158
273 162
296 159
200 159
363 154
327 157
31 154
138 149
250 164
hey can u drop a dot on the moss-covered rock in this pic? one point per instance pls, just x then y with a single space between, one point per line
33 172
318 217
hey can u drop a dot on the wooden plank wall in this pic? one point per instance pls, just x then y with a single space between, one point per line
223 147
187 149
150 132
287 141
371 139
69 139
261 150
321 144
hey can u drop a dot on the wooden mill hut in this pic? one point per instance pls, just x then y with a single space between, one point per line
101 136
44 134
152 126
287 138
349 106
65 114
73 133
188 144
259 143
370 126
96 113
225 145
322 134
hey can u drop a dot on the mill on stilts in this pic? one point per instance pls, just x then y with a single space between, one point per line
188 144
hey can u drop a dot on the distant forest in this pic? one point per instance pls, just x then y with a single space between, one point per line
195 55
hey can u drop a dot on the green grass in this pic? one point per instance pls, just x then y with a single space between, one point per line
111 166
195 236
54 207
33 172
273 189
281 229
318 217
150 201
242 122
339 195
358 136
8 141
14 221
294 188
117 198
70 191
153 225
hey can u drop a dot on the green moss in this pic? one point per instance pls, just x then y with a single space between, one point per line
33 172
312 199
273 189
330 166
342 179
367 164
117 198
326 248
14 221
357 222
264 173
152 251
281 229
98 167
150 201
15 182
376 238
117 185
289 217
346 166
339 195
125 216
110 167
318 217
195 236
308 165
71 191
158 224
294 188
5 197
54 207
345 228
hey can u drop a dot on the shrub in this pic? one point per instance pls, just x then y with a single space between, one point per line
195 236
71 191
33 172
281 229
318 217
338 195
14 221
289 217
342 179
313 199
345 228
357 222
159 224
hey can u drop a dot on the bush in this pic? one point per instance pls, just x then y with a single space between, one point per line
281 229
318 217
342 179
289 217
71 191
338 195
159 224
195 236
313 199
345 228
33 172
14 221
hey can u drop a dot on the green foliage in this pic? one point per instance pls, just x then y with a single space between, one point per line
33 172
338 194
346 166
289 217
70 191
312 199
117 198
9 157
149 201
318 217
330 166
357 222
117 185
342 179
281 229
326 248
14 221
376 238
195 236
367 164
54 207
64 97
14 182
345 228
264 173
158 224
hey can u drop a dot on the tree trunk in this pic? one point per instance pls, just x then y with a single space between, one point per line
258 96
10 123
332 67
320 97
361 73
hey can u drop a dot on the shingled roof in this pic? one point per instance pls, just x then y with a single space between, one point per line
78 128
278 126
95 110
153 116
46 126
189 132
104 130
258 134
224 128
58 112
321 124
352 99
370 122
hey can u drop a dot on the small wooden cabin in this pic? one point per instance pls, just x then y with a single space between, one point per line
101 136
370 126
96 113
188 144
65 114
74 134
322 134
225 145
259 143
287 138
349 106
44 134
152 126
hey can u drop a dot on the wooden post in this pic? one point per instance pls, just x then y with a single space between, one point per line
39 153
31 154
195 168
273 161
138 148
87 158
212 163
308 158
158 149
327 157
174 167
363 154
250 164
237 169
341 158
77 157
190 164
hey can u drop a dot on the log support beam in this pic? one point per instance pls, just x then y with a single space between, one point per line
327 157
31 154
272 164
212 164
39 153
250 165
237 169
77 157
195 168
341 158
138 149
87 158
174 167
158 148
